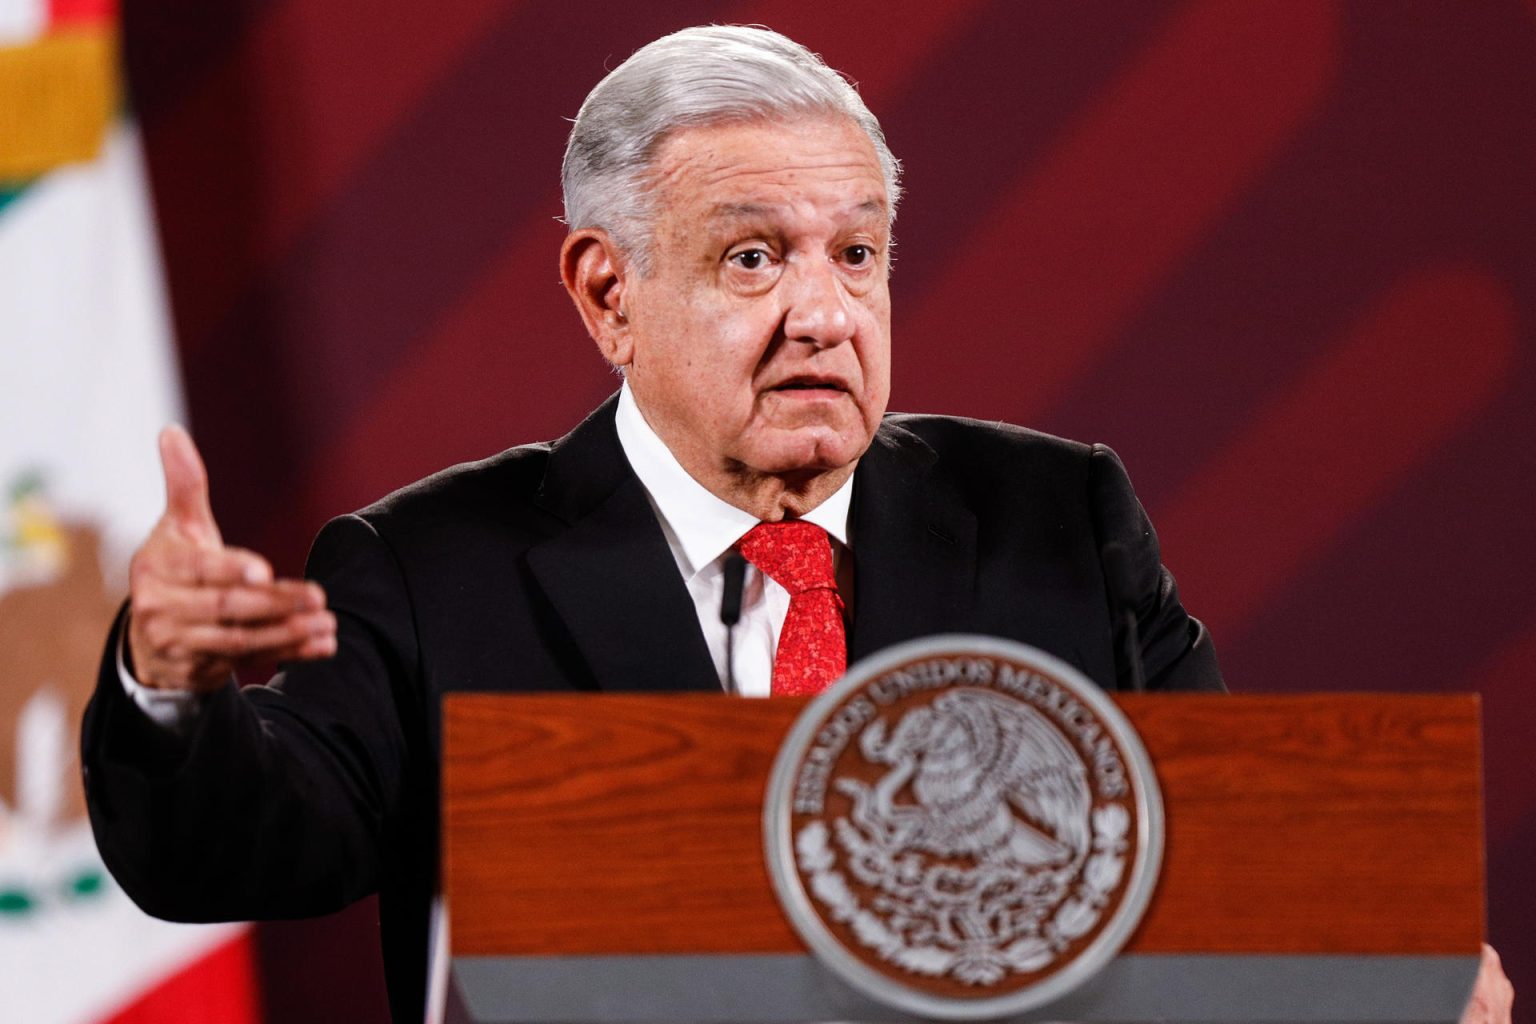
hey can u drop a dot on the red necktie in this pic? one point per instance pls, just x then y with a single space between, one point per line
812 648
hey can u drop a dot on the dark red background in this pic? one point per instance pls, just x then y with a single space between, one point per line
1281 256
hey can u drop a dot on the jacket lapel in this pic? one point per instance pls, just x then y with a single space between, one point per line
611 576
914 545
612 579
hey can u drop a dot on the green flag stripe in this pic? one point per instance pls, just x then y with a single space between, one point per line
10 190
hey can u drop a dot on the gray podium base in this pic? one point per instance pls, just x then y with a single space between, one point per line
783 989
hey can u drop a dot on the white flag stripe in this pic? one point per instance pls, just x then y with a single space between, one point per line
22 20
79 963
86 370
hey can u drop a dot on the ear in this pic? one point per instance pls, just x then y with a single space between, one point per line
594 271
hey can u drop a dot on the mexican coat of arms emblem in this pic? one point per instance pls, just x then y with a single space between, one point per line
963 827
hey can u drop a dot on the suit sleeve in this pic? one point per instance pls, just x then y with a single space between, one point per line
275 802
1176 648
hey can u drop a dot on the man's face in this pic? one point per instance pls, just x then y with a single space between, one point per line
761 336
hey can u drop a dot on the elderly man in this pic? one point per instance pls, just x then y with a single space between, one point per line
730 201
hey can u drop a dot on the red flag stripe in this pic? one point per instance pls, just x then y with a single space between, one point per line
219 987
82 12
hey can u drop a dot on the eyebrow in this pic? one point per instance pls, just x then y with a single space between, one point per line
740 211
752 211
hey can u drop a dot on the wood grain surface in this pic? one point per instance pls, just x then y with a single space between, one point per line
632 824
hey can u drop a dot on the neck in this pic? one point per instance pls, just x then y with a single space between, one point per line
772 497
768 497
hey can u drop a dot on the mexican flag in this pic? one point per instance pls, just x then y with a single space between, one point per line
87 377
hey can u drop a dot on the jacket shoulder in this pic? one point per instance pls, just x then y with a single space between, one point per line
983 448
946 432
499 488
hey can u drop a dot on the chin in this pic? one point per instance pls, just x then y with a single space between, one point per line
809 452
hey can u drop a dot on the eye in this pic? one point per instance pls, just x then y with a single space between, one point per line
859 255
750 259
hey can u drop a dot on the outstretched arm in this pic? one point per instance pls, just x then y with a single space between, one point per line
273 801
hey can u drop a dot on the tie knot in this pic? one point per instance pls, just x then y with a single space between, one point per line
796 554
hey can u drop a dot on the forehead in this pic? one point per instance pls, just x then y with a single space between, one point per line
748 171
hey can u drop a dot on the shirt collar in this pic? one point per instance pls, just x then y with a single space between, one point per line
699 526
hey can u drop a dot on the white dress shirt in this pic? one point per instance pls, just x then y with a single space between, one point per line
700 530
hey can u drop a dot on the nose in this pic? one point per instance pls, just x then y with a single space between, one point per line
817 310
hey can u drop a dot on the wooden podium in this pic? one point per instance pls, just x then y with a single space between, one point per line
603 861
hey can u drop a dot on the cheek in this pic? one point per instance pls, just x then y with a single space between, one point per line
875 356
739 341
683 345
716 373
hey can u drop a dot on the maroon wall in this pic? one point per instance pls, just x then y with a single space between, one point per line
1281 256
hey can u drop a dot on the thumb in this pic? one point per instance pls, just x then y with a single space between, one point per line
186 485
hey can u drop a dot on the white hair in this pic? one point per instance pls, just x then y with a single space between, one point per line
700 76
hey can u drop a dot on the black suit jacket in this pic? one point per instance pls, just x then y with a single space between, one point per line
544 568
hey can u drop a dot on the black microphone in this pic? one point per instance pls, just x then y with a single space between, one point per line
730 611
1121 583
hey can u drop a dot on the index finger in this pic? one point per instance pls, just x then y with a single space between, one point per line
186 485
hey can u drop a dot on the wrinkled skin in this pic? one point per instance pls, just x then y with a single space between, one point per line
758 345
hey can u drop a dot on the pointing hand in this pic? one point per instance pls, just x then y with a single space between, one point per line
198 610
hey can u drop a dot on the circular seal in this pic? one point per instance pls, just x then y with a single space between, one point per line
963 827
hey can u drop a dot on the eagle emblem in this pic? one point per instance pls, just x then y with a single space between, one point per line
963 825
990 779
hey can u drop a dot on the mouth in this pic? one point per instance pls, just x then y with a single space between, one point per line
826 385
